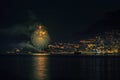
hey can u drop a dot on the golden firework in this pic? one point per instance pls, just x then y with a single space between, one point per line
40 37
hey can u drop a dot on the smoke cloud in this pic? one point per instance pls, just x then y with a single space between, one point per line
21 35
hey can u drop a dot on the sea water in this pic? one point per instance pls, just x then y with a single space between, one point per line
59 68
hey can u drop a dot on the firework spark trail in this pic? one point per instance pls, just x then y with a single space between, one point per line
40 38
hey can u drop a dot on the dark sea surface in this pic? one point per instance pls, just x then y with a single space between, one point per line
59 68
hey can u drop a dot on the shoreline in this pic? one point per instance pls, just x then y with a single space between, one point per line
72 55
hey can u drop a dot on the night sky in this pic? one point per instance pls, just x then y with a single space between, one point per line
65 19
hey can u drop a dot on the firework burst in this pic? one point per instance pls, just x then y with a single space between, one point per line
40 37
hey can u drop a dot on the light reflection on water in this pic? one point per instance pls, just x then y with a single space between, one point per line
40 68
59 68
